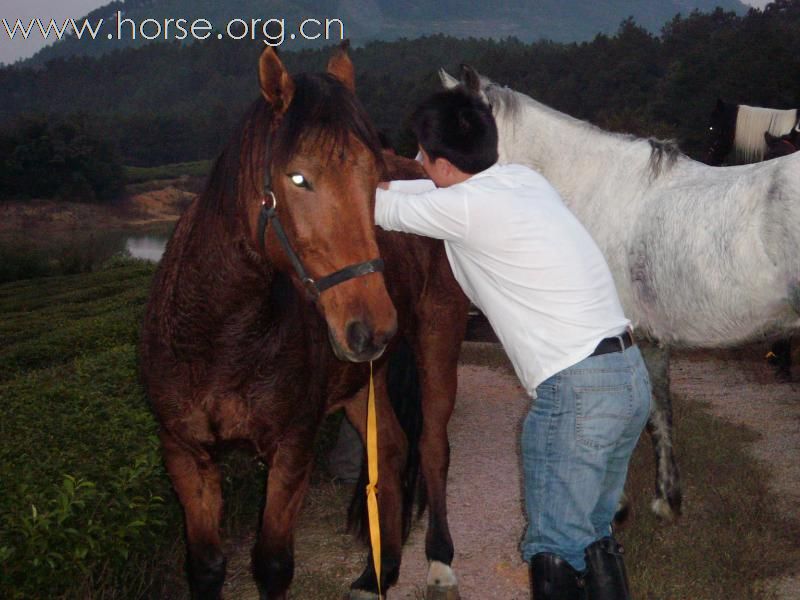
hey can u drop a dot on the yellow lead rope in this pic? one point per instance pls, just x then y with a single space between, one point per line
372 486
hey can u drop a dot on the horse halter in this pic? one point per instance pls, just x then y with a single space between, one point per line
788 145
269 214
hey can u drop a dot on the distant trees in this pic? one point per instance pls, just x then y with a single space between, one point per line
169 103
61 157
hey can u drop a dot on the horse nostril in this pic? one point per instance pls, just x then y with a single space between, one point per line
358 336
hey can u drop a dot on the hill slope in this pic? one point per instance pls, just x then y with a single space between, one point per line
365 20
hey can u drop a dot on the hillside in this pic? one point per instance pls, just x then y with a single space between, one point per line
365 20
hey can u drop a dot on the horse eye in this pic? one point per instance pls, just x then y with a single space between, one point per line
299 181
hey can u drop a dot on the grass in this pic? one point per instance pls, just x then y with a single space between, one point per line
84 493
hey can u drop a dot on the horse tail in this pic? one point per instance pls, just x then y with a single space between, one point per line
406 399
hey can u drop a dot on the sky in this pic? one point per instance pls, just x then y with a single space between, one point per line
12 50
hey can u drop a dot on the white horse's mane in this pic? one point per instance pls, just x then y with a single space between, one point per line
507 103
752 122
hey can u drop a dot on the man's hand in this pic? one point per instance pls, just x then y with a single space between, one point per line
384 185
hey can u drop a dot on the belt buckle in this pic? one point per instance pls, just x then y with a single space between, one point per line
621 341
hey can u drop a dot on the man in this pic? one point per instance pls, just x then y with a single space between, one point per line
526 262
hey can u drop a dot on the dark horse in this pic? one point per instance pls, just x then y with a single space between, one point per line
248 338
782 145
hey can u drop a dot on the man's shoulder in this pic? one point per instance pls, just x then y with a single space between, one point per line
515 177
520 171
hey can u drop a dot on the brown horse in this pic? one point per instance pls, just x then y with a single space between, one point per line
246 337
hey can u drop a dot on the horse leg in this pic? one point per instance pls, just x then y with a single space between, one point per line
287 483
392 453
438 365
667 503
196 480
780 355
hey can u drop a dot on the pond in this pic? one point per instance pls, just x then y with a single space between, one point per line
23 255
146 247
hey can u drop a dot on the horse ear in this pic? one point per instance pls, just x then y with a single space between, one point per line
276 84
341 67
470 79
448 81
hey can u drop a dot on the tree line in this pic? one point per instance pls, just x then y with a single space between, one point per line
167 102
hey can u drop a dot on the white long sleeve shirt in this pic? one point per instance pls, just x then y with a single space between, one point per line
521 257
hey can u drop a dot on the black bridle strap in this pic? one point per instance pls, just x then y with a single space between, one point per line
365 268
269 214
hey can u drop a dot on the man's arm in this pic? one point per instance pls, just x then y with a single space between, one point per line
439 213
409 186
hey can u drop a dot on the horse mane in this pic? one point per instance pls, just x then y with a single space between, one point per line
323 112
504 100
752 122
506 103
663 154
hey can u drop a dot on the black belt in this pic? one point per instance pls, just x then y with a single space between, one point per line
618 343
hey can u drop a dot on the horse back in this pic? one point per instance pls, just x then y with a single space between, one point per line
418 274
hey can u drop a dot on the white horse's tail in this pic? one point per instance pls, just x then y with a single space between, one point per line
752 122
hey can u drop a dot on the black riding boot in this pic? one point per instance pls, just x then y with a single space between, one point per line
553 578
606 578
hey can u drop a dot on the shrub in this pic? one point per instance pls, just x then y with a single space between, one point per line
86 508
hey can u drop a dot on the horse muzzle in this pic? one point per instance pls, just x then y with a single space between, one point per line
362 342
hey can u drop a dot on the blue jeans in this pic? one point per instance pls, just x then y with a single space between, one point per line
577 440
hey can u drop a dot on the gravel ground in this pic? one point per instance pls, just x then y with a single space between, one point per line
484 492
741 388
484 495
738 386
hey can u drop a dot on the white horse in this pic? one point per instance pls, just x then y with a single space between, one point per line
701 256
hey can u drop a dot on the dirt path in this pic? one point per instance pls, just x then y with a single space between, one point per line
484 432
484 494
741 388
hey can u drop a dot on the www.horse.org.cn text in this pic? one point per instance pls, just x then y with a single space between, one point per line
272 31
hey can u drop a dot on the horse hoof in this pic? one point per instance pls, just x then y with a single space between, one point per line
623 510
442 583
662 509
438 592
622 514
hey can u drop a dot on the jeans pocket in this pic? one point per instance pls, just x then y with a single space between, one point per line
602 414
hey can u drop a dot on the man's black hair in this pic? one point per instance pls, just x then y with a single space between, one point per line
458 126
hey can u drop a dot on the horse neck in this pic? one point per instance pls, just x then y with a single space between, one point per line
211 269
572 154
